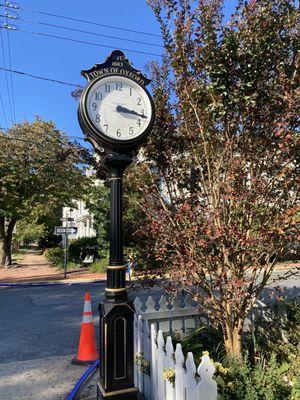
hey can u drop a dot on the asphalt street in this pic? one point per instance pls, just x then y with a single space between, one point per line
36 323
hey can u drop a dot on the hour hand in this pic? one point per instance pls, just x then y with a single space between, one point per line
127 111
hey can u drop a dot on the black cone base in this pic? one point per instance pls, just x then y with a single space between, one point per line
75 361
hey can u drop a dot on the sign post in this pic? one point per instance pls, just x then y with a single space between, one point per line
65 231
116 113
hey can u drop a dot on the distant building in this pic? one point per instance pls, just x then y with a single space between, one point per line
81 217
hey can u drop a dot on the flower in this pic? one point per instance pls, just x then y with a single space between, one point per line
169 374
230 385
220 368
205 353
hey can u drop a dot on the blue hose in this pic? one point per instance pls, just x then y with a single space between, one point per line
22 285
82 379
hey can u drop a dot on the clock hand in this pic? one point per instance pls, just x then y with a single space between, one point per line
127 111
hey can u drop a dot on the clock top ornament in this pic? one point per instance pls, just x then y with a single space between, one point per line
116 111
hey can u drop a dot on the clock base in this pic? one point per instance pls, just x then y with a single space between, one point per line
125 394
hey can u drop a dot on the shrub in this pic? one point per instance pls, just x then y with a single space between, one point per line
76 245
100 266
55 255
243 381
270 369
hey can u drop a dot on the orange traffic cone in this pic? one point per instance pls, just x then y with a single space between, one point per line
87 351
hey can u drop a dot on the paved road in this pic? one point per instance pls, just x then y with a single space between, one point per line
39 333
45 322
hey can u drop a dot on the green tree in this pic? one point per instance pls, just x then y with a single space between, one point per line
27 231
40 170
50 221
223 200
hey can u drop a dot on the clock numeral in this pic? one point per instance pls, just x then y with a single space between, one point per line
94 106
118 132
139 101
107 88
97 118
130 130
139 122
98 96
119 86
130 91
106 127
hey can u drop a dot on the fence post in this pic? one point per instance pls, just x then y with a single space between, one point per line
207 388
153 373
190 383
147 356
160 366
169 364
179 374
139 352
135 336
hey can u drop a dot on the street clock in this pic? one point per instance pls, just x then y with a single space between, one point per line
116 114
116 111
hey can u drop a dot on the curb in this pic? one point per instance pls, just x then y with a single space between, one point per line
64 282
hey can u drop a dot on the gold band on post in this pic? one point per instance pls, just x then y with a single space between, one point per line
116 266
115 290
113 179
116 392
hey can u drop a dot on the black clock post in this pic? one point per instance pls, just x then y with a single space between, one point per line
116 312
116 380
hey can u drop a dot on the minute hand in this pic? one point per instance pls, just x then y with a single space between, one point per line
127 111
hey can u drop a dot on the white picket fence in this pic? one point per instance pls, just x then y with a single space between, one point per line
159 357
152 319
180 315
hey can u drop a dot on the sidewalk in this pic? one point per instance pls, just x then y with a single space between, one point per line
48 379
35 268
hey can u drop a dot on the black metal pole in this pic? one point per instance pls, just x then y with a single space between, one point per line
66 255
116 312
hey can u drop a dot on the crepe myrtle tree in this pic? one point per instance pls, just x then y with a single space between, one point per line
40 170
222 204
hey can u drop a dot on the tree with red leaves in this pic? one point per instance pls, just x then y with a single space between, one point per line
222 203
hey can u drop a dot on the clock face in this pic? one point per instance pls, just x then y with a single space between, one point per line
118 107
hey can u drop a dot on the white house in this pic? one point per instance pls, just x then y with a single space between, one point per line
82 219
80 216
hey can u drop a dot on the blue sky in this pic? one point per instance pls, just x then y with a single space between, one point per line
63 60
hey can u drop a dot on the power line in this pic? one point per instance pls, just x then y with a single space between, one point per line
77 41
40 77
11 78
32 141
6 79
17 7
3 109
87 32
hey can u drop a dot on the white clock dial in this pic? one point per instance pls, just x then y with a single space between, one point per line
118 107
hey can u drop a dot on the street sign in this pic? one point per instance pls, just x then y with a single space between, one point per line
65 230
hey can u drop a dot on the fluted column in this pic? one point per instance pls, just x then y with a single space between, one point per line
115 288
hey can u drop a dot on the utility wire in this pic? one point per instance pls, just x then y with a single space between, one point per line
6 78
33 141
40 77
83 31
3 110
11 78
17 7
78 41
